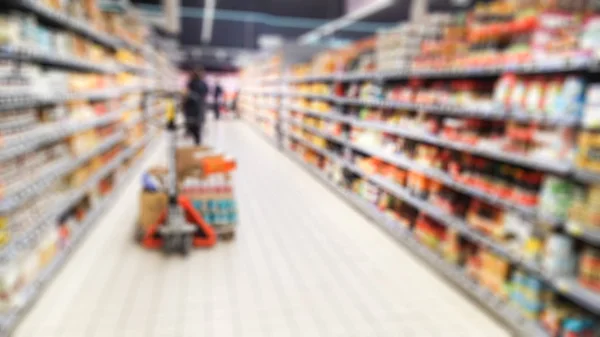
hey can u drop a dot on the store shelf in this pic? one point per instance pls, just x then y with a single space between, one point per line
92 95
46 58
529 213
584 297
79 26
492 113
566 65
589 235
569 288
23 101
543 164
312 96
312 78
574 292
20 123
264 92
586 176
37 186
448 219
316 131
135 69
47 134
266 117
30 100
453 273
587 299
330 115
134 121
312 146
547 165
497 113
265 106
9 320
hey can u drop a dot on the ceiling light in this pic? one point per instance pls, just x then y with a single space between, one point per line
346 20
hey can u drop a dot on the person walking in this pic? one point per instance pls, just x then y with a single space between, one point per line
217 96
195 105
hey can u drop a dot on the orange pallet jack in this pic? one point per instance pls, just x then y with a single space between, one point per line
180 227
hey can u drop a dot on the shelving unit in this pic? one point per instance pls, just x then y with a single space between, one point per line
356 131
78 137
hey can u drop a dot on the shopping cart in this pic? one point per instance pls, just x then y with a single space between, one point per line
180 226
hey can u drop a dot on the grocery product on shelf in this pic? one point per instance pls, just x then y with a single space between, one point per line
584 211
473 140
73 122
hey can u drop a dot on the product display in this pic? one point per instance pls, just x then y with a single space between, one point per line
471 137
75 107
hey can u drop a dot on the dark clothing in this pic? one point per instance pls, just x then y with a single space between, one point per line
194 116
217 110
195 101
198 86
218 92
194 110
217 104
196 131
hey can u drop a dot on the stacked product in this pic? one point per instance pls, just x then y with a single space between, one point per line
72 124
259 102
397 46
204 178
480 148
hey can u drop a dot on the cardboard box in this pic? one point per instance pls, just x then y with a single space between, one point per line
152 205
188 160
161 172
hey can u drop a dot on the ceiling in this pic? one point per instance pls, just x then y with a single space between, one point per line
239 24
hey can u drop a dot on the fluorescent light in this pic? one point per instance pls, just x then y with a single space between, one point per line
345 20
207 22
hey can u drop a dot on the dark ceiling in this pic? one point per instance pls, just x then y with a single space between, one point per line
238 24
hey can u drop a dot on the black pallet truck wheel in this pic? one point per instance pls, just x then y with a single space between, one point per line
170 244
187 242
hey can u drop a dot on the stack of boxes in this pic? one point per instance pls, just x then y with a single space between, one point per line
396 47
209 189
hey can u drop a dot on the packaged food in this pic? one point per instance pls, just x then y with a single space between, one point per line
517 94
559 257
570 100
589 268
535 95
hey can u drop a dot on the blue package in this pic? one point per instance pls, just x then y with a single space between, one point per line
150 183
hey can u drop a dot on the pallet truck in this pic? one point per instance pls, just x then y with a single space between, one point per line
180 227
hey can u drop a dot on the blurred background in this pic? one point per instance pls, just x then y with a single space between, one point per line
464 130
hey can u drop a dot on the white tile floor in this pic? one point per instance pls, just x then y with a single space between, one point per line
304 264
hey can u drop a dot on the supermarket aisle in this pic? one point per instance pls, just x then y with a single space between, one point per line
304 264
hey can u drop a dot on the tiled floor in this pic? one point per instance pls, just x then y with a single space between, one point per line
304 264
